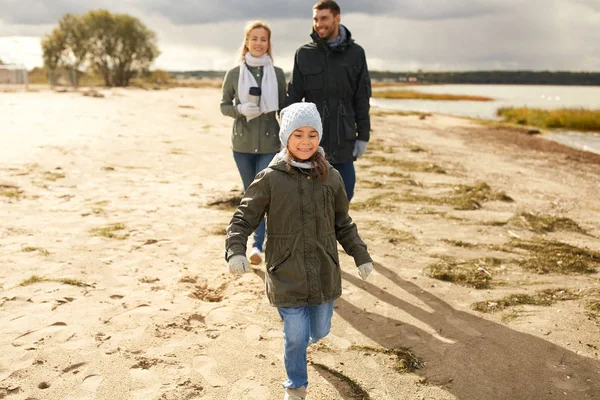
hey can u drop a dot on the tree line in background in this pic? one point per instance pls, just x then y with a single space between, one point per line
494 77
116 46
467 77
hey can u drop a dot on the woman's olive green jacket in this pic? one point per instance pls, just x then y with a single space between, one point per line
260 135
305 217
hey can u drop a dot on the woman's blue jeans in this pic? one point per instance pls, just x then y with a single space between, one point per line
249 165
302 326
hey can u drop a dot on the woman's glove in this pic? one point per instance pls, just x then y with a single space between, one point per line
238 265
360 146
249 110
364 270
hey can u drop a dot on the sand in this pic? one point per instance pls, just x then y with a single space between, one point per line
151 312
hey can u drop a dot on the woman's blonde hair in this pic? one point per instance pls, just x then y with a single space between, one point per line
249 27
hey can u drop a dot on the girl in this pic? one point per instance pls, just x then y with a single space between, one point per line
305 202
254 138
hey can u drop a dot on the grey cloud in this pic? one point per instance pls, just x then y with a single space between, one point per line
210 11
195 12
34 12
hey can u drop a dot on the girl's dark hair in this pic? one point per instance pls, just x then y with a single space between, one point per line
318 163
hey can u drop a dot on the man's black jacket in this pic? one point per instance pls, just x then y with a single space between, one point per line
337 81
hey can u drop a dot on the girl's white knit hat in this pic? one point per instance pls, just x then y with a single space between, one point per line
298 115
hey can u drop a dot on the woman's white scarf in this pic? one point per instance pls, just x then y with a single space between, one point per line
269 99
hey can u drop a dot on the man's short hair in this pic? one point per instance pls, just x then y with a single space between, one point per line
328 5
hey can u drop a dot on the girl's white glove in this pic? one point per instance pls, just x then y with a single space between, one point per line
364 270
238 265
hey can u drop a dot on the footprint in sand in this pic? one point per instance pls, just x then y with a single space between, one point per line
248 389
219 316
139 311
14 360
91 383
146 383
206 366
253 335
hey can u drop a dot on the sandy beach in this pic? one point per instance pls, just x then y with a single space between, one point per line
113 283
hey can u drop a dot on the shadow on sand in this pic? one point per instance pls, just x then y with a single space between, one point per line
482 359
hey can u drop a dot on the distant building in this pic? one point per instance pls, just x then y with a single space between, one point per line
13 73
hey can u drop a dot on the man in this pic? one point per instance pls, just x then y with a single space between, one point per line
331 72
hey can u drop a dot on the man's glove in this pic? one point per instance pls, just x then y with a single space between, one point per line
364 270
360 146
249 110
238 265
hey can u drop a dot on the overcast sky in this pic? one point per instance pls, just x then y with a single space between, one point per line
396 34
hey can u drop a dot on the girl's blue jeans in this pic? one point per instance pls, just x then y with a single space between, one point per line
249 165
302 326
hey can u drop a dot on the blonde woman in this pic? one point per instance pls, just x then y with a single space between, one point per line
255 136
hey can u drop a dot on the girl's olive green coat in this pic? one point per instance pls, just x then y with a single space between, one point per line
260 135
305 220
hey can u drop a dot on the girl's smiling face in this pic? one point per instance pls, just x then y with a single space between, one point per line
303 143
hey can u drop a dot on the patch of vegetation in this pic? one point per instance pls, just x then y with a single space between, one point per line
29 249
382 112
493 223
463 197
414 95
53 176
372 184
557 257
11 193
545 223
406 360
376 145
357 392
415 149
459 243
33 279
470 197
512 314
178 152
476 273
377 202
323 347
72 282
579 119
218 231
540 298
392 235
109 231
593 305
415 166
227 203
